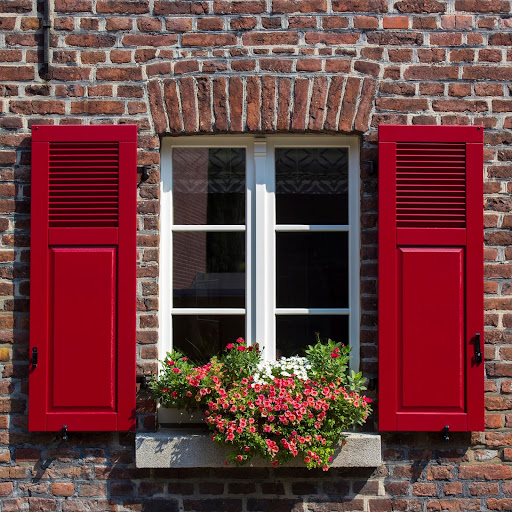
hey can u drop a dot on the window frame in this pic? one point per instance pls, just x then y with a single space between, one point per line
260 308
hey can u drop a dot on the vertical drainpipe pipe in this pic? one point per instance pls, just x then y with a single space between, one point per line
46 70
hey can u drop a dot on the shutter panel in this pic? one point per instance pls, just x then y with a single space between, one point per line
83 278
431 278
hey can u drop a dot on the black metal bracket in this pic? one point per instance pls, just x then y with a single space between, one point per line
144 173
478 349
143 380
64 432
33 359
445 433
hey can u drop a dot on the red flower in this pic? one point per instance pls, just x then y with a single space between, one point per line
229 346
176 370
241 348
171 363
334 355
165 390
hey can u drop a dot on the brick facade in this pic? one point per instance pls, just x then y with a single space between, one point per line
216 66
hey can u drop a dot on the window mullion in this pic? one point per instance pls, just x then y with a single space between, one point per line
263 274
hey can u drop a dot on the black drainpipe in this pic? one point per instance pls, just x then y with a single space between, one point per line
45 72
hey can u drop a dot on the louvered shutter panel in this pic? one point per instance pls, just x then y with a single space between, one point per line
83 278
431 278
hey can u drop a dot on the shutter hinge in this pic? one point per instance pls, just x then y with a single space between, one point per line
478 349
33 359
445 433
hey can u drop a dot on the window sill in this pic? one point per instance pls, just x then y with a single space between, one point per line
186 448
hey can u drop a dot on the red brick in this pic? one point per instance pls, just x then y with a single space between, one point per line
373 6
119 24
211 23
178 24
298 6
395 22
97 107
269 38
188 103
504 504
203 40
277 65
364 22
299 104
268 102
17 73
331 38
69 6
90 40
150 40
239 7
348 104
482 6
243 23
62 489
122 7
485 472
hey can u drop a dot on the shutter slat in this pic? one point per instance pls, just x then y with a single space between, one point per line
430 170
82 173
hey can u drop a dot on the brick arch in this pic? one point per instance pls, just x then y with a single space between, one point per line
265 103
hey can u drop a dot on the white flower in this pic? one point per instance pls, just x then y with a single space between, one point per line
284 367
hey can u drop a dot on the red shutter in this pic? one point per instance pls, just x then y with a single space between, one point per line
431 278
83 272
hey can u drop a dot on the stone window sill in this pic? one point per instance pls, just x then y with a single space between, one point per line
188 448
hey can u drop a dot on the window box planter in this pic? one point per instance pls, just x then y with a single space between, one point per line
189 448
173 417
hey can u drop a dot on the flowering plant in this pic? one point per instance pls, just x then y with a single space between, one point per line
294 407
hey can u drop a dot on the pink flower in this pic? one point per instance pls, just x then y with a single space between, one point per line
229 346
247 449
176 370
185 359
334 355
239 458
241 348
240 340
171 363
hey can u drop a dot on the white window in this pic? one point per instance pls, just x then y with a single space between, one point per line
259 239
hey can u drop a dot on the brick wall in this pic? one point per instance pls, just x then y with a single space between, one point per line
183 67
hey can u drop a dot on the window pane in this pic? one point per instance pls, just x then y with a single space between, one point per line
312 186
208 269
312 270
295 333
208 185
201 337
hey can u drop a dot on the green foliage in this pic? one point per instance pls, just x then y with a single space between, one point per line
274 418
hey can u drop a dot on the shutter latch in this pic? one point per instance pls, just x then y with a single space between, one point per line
478 349
33 359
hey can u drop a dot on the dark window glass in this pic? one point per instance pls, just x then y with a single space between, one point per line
296 332
208 269
201 337
311 186
208 185
312 270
